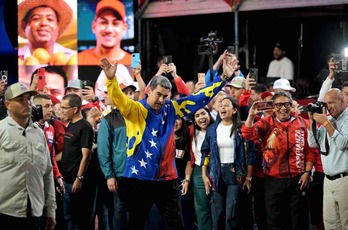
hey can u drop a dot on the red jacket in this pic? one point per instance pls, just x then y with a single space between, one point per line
59 132
49 133
285 149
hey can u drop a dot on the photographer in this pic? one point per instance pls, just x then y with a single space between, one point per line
169 70
332 140
287 162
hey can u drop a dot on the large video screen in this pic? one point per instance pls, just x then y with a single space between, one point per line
67 37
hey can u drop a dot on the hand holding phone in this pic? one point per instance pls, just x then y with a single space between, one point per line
230 49
41 79
135 60
264 105
167 59
254 74
4 76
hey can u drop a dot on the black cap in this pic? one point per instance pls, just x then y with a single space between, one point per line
279 46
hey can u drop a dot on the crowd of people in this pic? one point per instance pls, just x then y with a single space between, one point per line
223 152
226 154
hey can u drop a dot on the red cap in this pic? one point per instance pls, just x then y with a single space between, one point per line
266 94
114 5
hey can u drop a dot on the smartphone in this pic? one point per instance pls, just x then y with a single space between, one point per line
264 105
167 59
4 75
41 79
230 49
201 77
84 84
135 60
254 73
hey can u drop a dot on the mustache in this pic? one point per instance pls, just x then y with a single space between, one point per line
159 103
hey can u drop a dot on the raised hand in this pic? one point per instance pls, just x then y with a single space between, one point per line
108 68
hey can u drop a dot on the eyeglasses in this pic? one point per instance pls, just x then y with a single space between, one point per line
66 108
285 104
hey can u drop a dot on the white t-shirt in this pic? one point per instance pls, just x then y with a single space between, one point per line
196 148
225 143
284 68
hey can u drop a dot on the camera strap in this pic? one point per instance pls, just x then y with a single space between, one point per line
327 147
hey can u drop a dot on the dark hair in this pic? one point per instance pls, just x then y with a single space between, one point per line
328 57
40 97
345 84
53 69
259 88
161 81
74 100
182 133
84 112
196 127
237 122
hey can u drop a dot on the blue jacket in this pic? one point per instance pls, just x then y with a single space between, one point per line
244 154
150 134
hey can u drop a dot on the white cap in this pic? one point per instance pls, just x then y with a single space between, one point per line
283 84
136 84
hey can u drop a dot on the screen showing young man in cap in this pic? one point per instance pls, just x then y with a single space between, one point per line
109 26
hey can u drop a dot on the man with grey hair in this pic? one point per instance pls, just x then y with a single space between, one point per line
150 172
287 162
332 140
26 175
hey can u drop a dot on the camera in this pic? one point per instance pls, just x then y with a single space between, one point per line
36 113
316 107
341 63
210 44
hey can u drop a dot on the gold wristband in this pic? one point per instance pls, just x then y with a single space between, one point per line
326 123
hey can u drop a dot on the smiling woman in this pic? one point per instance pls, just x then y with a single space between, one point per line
228 161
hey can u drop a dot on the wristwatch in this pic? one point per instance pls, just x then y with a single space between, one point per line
248 178
80 178
309 172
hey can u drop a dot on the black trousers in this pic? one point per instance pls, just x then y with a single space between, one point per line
141 195
29 223
286 204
